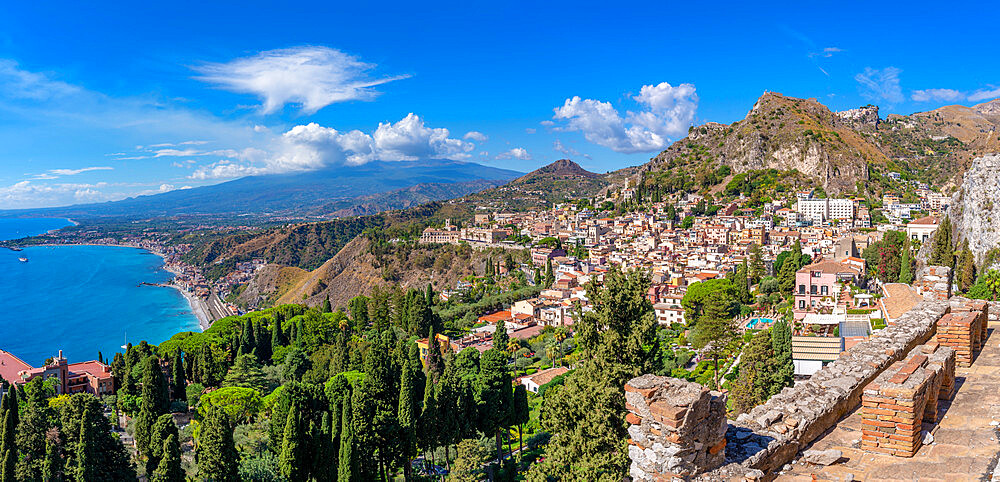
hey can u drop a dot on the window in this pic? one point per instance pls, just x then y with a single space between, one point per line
812 290
802 289
802 304
824 290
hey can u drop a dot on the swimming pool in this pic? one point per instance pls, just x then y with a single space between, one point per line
753 322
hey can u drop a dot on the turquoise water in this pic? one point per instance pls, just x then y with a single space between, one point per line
753 321
22 228
83 299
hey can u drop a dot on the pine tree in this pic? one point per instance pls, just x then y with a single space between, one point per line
348 470
292 460
217 457
247 373
169 467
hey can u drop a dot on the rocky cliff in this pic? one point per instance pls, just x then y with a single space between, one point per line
840 150
975 208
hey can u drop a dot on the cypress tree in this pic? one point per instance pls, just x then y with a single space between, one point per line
8 430
292 459
52 466
277 336
494 395
429 295
85 457
179 385
251 338
154 402
327 308
428 426
521 412
783 371
263 342
500 337
407 415
207 366
347 470
217 457
169 467
162 429
433 357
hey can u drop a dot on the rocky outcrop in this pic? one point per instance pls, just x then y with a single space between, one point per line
975 207
864 117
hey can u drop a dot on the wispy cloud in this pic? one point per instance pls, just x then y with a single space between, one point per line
667 112
826 52
936 95
57 173
558 146
985 94
881 84
311 76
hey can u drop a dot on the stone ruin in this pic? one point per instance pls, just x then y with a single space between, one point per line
933 283
678 440
677 428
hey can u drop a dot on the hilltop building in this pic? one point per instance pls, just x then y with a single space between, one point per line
85 377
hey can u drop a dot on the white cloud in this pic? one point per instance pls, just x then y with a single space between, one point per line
937 95
519 153
313 77
984 94
547 123
667 112
827 52
56 173
166 187
881 84
475 136
312 146
530 130
22 84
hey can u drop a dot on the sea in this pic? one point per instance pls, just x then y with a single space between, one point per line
83 300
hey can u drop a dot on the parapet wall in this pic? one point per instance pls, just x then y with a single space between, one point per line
760 442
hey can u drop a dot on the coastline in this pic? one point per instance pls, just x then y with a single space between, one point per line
197 305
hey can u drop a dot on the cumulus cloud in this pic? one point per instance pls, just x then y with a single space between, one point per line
312 146
311 76
937 95
667 112
475 136
880 84
519 153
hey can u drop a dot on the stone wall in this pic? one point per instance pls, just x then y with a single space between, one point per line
758 443
677 429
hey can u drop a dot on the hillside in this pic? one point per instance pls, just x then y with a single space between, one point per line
555 182
841 151
357 270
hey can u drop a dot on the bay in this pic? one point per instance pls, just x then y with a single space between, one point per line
84 299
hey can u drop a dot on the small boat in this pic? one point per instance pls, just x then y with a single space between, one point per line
23 259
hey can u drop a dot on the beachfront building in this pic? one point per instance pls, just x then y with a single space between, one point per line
91 377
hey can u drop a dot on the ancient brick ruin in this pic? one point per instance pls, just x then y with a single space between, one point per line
677 428
905 356
895 405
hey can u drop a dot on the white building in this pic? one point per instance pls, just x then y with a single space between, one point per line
922 229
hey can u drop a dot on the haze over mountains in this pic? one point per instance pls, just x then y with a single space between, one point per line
364 189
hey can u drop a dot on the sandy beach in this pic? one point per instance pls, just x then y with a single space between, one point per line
198 306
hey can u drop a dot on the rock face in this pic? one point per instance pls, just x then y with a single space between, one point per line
975 208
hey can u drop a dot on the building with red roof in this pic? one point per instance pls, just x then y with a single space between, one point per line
85 377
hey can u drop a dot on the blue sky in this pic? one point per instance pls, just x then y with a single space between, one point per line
100 102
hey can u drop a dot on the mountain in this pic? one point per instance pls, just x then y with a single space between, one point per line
329 192
555 182
841 151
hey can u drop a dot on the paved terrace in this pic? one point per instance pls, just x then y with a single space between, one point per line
965 445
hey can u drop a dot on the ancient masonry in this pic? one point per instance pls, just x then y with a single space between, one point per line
679 438
895 405
678 428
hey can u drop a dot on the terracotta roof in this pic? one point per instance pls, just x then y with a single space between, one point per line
495 317
925 221
830 267
546 376
10 366
93 367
